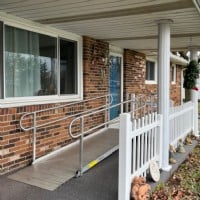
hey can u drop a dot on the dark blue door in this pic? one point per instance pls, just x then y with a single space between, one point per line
115 84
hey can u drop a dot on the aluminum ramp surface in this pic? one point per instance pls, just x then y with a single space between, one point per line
56 169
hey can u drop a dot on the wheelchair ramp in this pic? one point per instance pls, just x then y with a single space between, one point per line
55 170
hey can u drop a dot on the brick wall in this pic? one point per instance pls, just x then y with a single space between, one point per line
134 72
16 145
96 69
134 77
96 74
175 89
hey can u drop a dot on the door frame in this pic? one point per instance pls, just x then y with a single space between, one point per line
113 53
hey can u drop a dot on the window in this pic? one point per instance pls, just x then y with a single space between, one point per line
150 71
173 74
37 65
30 63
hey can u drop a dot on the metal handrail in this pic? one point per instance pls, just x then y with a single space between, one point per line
80 116
98 110
92 113
35 126
83 132
57 107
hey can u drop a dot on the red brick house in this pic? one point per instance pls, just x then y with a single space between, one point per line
44 66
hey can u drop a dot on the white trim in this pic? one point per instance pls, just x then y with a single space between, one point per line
58 68
122 82
4 93
122 74
174 59
25 101
150 82
117 50
155 71
173 79
43 29
36 27
80 67
178 60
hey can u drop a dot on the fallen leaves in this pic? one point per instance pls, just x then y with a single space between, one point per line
184 184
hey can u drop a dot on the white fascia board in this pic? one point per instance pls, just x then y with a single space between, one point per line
174 59
35 26
178 60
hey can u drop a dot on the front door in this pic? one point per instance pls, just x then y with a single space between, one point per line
115 84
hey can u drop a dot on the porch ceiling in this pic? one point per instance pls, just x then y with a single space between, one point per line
127 24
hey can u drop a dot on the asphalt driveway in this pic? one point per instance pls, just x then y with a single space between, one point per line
100 183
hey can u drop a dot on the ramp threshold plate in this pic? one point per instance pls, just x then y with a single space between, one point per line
97 160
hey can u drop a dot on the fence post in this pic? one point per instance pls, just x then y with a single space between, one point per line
127 104
124 183
194 97
132 106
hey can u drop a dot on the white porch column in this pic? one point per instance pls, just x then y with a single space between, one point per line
194 94
194 98
164 86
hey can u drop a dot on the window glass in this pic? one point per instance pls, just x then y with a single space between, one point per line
150 70
68 67
30 63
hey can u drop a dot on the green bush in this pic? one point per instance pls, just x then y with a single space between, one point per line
191 74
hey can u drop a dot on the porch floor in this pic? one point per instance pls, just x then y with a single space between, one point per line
56 169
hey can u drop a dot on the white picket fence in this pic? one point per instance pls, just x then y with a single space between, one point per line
141 140
181 121
139 143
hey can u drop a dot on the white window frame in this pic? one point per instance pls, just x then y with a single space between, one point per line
173 79
46 30
155 71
